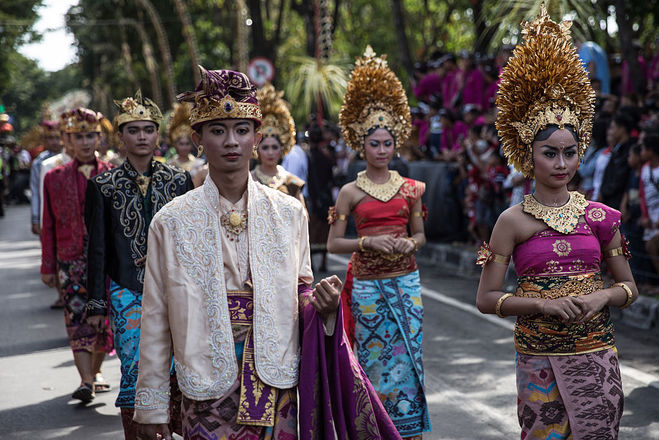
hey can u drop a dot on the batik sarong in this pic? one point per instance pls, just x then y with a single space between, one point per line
126 309
388 316
577 397
72 279
250 410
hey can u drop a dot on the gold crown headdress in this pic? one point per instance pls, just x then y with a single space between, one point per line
179 124
374 98
543 84
136 108
82 120
277 120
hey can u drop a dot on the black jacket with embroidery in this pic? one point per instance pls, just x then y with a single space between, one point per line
117 217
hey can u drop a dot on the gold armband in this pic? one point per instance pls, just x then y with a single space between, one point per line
485 255
341 217
628 291
620 250
417 214
500 303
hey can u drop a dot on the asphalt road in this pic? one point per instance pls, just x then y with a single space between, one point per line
468 357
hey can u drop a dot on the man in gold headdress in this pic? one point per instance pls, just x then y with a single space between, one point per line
119 206
228 291
64 245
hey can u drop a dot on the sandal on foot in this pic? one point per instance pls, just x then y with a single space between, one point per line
84 393
101 385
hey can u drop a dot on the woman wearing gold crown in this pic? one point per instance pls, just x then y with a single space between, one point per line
383 283
278 131
179 135
568 377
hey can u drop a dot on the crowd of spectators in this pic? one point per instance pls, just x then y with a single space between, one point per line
453 115
454 119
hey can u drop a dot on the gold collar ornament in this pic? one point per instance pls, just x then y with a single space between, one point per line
234 223
543 84
380 191
86 170
143 183
563 219
272 181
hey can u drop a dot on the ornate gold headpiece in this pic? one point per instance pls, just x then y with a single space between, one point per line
137 108
374 98
277 119
82 120
222 94
543 84
179 124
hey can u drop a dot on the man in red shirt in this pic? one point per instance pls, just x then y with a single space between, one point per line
63 245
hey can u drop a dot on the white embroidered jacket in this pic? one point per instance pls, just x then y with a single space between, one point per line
184 305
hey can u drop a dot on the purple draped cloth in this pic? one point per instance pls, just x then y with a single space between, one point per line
334 392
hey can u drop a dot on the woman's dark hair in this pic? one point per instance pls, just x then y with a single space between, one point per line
543 135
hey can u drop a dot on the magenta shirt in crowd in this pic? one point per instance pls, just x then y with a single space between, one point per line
472 92
451 136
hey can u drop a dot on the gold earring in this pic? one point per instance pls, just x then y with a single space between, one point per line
255 152
200 150
361 154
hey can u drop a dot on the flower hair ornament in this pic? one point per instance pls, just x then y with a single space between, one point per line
277 120
544 83
374 98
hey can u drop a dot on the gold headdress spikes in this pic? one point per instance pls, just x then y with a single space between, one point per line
137 108
277 120
374 98
543 84
179 124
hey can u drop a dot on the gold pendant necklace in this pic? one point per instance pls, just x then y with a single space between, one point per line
563 219
272 181
234 223
143 183
380 191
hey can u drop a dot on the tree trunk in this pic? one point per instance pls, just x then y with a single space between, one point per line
190 37
403 43
627 47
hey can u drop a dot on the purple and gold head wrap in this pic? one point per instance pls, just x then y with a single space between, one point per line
222 94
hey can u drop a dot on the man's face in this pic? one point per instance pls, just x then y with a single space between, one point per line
84 145
139 137
228 143
52 141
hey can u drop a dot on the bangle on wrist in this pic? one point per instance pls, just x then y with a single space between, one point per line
628 291
500 303
361 243
416 243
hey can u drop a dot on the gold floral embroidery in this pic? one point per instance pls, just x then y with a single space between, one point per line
554 267
562 248
596 215
577 266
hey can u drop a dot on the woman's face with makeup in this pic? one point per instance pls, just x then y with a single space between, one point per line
556 158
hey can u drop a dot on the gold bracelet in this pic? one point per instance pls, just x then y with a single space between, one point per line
628 291
361 243
500 303
416 243
614 252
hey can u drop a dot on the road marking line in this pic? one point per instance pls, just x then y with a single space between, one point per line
646 379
